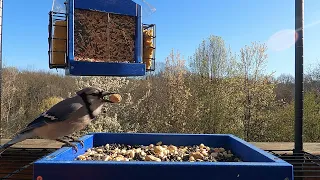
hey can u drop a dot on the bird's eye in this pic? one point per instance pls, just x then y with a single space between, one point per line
95 94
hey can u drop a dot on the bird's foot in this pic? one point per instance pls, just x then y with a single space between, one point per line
75 140
68 144
74 147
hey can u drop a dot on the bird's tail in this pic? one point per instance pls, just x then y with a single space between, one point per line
4 147
16 139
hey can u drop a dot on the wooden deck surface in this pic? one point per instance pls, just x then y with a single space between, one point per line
313 148
35 143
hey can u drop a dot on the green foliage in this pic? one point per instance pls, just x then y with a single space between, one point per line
281 125
258 98
178 93
311 116
23 92
48 103
220 92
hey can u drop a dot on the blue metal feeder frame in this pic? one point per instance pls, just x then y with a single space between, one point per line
86 68
257 164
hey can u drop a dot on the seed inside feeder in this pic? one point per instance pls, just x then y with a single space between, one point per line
103 37
157 153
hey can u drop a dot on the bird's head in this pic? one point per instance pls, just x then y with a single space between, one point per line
97 94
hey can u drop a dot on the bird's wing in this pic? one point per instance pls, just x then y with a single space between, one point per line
59 112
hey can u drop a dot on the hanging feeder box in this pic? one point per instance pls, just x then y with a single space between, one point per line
101 38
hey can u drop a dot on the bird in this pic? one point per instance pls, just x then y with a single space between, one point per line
64 118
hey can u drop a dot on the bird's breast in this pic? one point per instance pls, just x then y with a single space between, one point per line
60 129
97 110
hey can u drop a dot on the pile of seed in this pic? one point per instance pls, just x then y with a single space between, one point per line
158 152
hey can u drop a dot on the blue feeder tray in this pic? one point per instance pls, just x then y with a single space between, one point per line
257 164
66 59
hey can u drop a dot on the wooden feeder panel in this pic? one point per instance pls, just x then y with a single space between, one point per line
59 43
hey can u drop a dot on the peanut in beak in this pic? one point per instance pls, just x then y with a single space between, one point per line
114 98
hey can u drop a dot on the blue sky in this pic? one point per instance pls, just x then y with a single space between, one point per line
182 25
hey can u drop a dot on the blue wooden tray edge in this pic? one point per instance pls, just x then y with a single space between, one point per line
89 137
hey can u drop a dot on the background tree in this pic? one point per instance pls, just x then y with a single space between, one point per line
218 91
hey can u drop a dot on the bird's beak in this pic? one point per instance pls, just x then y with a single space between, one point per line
106 96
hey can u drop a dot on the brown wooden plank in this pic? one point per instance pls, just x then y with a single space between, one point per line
313 148
13 160
35 143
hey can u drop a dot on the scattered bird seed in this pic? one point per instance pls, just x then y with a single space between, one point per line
158 152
